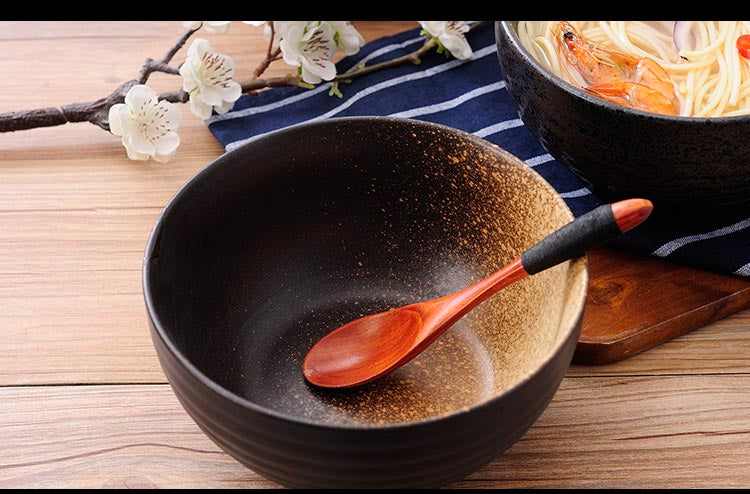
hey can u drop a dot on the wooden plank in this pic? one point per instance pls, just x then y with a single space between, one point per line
720 348
686 431
637 302
633 432
74 219
108 436
71 309
75 213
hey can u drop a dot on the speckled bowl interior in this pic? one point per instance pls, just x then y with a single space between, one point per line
282 240
280 250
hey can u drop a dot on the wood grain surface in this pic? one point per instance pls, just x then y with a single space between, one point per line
84 401
636 302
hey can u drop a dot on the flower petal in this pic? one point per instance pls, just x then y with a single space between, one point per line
351 41
132 154
290 45
115 118
139 143
230 92
197 49
210 95
164 158
189 77
217 26
349 38
199 107
318 47
307 75
172 116
456 27
457 45
434 28
327 70
138 96
224 107
167 143
319 41
255 23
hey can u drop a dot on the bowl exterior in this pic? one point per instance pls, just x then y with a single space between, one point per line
420 455
673 161
304 453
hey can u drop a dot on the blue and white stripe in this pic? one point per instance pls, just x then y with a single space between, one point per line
471 96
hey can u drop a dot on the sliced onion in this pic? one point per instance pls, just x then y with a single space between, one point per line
683 36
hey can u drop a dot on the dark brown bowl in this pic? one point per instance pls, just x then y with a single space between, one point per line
278 242
677 162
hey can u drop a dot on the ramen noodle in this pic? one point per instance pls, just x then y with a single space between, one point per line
687 68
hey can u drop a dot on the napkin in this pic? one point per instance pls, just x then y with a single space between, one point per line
470 95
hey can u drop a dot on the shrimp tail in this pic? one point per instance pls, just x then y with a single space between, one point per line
634 95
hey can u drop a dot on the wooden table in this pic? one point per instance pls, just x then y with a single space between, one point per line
83 401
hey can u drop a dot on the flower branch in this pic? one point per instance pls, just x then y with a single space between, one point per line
413 57
95 112
147 122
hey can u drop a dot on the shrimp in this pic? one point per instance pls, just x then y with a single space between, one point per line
617 77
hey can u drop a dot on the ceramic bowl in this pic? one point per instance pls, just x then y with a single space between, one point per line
278 242
677 162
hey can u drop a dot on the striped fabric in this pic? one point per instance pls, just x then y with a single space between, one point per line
471 96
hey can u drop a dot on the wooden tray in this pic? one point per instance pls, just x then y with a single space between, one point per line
637 302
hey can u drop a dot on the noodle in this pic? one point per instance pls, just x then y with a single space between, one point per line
710 80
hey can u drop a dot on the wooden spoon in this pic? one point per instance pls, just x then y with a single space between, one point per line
372 346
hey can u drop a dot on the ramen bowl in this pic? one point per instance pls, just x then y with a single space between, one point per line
677 162
281 240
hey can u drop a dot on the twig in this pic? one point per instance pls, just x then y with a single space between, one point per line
95 112
262 66
271 55
163 65
414 57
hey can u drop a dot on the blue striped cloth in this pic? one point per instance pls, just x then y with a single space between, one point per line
470 95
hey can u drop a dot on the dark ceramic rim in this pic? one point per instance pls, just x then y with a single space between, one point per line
512 35
245 403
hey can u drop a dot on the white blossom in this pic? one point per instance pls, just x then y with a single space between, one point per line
207 78
347 36
211 26
255 23
310 46
148 126
280 30
450 34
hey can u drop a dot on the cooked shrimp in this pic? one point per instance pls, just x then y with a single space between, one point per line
639 83
634 95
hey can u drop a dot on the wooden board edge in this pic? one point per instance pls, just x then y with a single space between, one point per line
601 352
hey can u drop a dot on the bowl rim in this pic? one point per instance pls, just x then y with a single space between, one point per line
159 329
511 34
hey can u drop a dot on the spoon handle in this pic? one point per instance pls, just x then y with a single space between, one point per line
585 232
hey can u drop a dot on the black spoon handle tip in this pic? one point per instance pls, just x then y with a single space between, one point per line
594 228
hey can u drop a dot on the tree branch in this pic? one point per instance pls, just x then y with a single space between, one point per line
271 55
414 57
95 112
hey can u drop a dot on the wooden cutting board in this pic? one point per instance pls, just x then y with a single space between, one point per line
637 302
